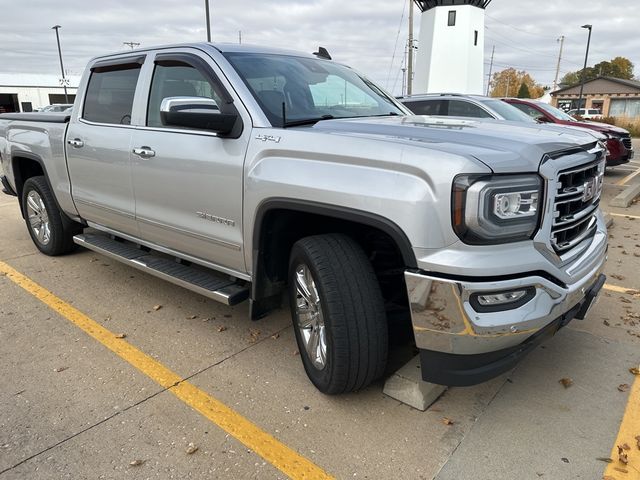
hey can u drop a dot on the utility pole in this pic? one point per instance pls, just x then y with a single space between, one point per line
493 51
240 37
584 69
131 45
206 9
555 82
64 80
410 60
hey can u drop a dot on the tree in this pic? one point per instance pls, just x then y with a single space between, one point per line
619 67
508 82
524 91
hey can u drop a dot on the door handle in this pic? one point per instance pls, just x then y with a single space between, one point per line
76 143
144 152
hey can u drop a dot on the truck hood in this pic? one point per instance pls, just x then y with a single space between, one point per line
505 147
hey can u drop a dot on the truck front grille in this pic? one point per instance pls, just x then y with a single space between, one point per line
576 203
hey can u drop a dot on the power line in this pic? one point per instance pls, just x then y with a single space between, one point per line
518 29
395 47
514 45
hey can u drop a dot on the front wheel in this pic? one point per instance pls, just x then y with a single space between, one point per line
338 313
51 231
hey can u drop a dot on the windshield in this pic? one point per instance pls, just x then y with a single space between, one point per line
291 90
555 112
508 112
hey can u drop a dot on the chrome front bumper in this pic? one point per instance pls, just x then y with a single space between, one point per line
444 319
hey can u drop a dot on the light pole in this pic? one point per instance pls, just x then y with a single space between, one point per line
206 9
64 81
584 70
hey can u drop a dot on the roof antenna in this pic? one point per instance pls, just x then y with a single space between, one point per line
322 53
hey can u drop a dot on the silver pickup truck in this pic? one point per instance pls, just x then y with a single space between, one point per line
244 173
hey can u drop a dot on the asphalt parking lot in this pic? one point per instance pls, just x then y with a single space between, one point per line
110 373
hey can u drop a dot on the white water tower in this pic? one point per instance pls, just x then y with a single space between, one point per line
450 55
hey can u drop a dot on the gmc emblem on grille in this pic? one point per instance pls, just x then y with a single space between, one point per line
590 189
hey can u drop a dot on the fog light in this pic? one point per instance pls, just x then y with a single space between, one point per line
506 300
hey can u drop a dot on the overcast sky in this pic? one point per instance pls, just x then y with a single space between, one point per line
361 34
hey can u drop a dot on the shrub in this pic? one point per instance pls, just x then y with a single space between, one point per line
632 124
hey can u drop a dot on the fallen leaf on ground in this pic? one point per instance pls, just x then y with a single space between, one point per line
622 457
635 370
136 463
565 459
617 277
60 369
275 336
625 300
157 307
254 333
226 315
447 421
121 335
623 387
606 323
222 328
191 449
621 470
566 382
192 317
604 459
296 352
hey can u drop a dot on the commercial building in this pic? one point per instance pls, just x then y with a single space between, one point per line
614 97
28 92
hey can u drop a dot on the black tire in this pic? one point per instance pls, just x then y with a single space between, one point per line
352 308
61 228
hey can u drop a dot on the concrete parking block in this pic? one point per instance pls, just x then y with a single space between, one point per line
626 197
406 386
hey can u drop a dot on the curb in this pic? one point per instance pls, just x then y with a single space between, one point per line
627 196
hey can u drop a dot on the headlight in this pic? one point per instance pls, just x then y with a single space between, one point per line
492 209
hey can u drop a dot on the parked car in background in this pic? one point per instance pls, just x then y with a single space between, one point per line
56 107
457 105
586 113
478 106
618 139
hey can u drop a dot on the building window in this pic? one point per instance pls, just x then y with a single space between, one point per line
452 18
475 38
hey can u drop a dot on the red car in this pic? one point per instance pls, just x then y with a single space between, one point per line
618 139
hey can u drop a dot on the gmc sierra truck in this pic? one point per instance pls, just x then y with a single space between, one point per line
244 173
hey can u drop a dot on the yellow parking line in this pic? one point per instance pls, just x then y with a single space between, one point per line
617 289
628 437
628 177
268 447
623 215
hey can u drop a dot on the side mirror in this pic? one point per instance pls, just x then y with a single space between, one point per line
196 112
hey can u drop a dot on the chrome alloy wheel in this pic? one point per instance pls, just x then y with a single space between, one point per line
309 318
38 217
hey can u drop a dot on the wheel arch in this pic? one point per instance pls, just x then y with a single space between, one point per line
280 222
24 166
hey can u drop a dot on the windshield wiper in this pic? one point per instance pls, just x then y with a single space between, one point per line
306 121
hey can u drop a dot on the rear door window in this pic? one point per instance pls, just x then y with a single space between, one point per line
110 92
426 107
458 108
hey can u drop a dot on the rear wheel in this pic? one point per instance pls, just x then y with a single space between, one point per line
51 231
338 313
